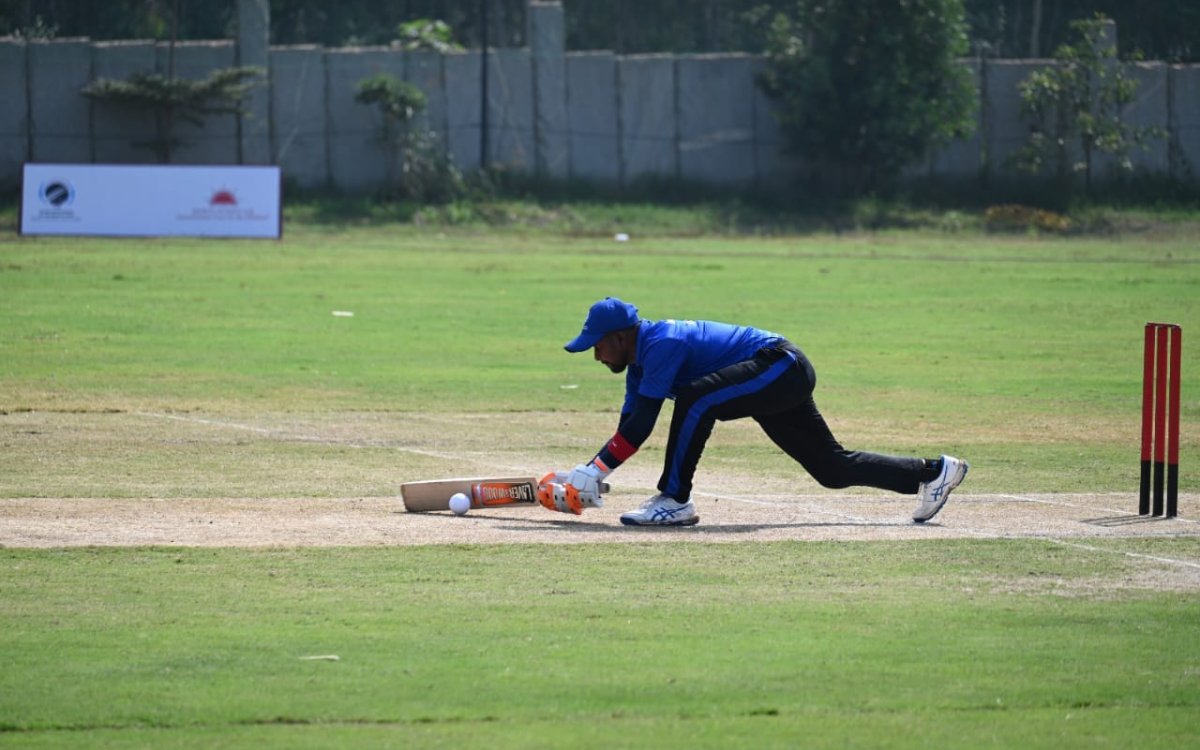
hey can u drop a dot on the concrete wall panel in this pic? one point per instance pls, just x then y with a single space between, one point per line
60 115
463 113
1006 129
358 158
593 116
510 109
1185 122
1149 109
426 71
594 141
297 108
216 141
122 135
546 44
14 115
254 50
647 117
716 118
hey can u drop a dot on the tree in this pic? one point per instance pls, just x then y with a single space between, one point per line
1077 103
866 88
426 34
426 174
1161 29
172 99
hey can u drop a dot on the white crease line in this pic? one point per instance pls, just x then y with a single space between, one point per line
305 438
1088 547
1062 504
1079 545
1155 558
198 420
1118 511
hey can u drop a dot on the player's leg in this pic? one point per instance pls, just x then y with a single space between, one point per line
725 394
732 393
803 434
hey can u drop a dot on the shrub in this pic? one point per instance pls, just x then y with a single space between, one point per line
417 167
865 88
170 99
1077 104
1016 218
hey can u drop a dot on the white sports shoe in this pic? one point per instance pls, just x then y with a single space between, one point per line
661 510
933 495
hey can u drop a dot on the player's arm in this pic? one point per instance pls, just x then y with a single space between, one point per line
635 427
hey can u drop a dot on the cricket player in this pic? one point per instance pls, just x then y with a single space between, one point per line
717 371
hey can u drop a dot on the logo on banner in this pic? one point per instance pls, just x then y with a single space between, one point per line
57 193
223 205
223 198
56 197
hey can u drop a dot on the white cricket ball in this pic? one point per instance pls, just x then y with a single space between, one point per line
460 503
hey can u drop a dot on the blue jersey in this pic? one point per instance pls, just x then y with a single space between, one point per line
673 353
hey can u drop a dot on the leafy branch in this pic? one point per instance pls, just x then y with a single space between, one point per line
1075 109
426 34
426 173
172 99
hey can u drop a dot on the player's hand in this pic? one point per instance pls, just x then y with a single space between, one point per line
554 494
585 478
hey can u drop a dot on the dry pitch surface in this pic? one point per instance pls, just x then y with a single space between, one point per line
725 517
734 506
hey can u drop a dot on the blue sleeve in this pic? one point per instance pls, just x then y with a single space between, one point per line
633 381
635 427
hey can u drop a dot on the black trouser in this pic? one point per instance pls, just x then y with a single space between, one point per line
775 389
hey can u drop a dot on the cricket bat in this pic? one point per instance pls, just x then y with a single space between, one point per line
485 492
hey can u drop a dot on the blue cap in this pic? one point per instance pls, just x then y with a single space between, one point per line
608 315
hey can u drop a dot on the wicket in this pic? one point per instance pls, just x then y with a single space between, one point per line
1160 419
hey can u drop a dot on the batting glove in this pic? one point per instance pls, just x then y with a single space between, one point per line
586 478
554 495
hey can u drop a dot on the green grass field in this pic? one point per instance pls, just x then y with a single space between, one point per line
1022 353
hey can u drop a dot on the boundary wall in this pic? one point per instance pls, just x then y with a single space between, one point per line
591 116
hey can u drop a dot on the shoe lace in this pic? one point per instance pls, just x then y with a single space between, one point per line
660 498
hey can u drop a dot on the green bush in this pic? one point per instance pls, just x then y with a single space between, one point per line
1074 108
171 99
865 88
418 168
426 34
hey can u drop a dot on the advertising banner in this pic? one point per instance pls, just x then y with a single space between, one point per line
155 201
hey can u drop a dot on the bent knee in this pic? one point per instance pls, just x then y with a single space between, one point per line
833 481
834 475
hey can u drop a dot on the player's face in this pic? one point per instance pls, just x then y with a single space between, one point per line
613 351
